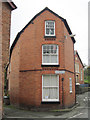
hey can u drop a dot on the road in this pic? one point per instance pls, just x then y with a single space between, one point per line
81 111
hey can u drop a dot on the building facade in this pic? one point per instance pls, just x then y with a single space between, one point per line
5 21
42 72
79 69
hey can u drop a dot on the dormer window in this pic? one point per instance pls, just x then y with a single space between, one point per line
50 28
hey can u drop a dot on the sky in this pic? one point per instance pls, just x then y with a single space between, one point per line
74 11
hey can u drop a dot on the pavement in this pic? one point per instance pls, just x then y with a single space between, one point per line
78 111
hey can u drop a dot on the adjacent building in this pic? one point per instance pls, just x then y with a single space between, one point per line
42 72
79 69
5 22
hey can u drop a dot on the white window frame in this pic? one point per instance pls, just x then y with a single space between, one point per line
46 100
77 67
57 56
70 84
45 28
81 74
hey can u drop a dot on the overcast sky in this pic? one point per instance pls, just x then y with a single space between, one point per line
74 11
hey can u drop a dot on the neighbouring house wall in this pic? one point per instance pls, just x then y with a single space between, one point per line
77 61
6 21
1 60
14 74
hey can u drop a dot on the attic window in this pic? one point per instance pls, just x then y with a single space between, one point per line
49 28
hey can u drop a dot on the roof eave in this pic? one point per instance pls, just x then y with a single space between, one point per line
11 4
79 58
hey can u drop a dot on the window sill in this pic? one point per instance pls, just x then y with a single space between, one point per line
50 102
49 36
50 65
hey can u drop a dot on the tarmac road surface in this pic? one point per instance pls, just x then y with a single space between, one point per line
81 111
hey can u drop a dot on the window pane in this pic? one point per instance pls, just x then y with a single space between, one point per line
50 80
46 80
50 93
46 93
51 48
45 59
50 54
54 59
71 88
54 81
53 93
47 31
44 46
70 82
52 31
50 87
49 27
44 51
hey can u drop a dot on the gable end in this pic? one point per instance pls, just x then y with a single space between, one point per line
46 8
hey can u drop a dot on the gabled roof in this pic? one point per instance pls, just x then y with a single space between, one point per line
78 57
46 8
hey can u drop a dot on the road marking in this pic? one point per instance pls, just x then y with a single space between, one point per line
76 115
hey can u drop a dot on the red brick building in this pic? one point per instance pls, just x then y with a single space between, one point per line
79 69
7 7
5 22
42 72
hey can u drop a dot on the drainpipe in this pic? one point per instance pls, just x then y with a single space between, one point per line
62 94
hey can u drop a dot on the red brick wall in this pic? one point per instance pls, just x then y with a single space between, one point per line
14 74
30 54
6 21
69 98
34 36
68 51
80 67
0 60
5 16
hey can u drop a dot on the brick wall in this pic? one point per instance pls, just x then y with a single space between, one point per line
69 98
6 20
77 61
68 51
26 61
31 54
0 60
14 74
4 44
